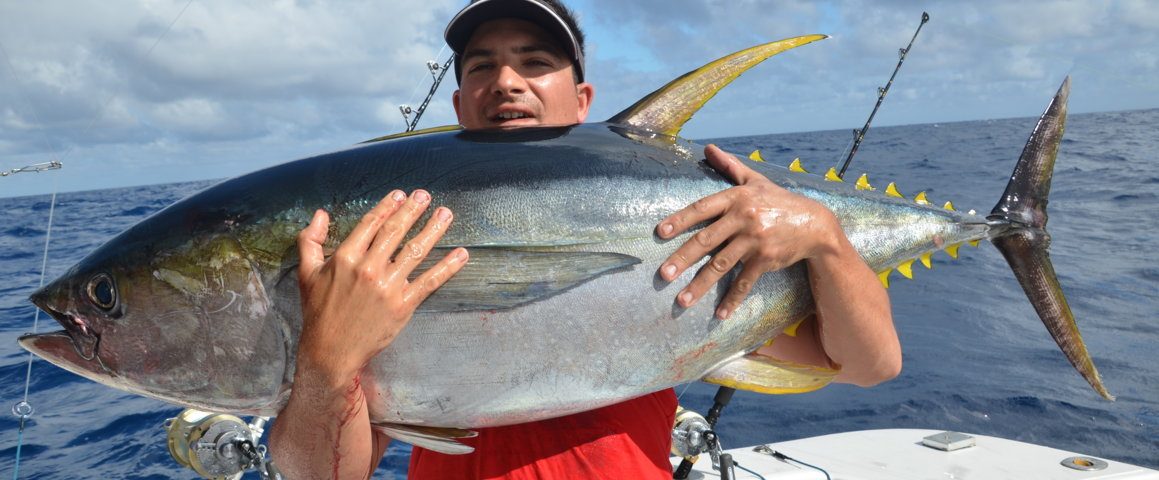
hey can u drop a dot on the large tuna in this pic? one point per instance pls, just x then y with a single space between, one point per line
559 310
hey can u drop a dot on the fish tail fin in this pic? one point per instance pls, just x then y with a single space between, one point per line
1019 232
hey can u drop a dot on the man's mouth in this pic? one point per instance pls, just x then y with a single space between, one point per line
502 116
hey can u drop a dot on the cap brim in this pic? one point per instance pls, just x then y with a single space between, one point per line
460 28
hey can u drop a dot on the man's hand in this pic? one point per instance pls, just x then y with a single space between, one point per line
769 228
359 300
353 305
760 224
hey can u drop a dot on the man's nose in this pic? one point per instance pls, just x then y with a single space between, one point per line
509 81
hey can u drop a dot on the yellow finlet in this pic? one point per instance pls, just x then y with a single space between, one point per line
926 258
906 269
796 166
953 250
891 191
756 156
665 110
974 243
949 206
884 277
920 199
791 330
832 176
863 183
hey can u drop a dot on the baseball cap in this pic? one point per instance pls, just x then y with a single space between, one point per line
460 28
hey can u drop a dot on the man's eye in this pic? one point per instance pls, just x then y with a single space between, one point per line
478 67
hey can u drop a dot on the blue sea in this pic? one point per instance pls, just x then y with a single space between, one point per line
976 358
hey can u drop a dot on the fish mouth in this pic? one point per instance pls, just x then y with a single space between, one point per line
60 349
85 340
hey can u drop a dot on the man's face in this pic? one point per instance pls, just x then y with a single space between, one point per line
515 75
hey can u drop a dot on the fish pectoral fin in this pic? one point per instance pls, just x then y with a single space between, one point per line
499 278
437 439
764 374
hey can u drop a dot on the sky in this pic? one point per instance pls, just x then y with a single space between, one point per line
134 92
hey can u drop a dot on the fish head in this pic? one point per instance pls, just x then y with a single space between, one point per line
185 322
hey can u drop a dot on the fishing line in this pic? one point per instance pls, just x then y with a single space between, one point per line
682 391
785 458
24 409
35 118
755 474
845 151
105 107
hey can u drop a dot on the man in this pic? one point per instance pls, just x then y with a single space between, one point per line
520 63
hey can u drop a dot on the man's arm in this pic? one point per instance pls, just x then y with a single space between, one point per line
768 228
353 306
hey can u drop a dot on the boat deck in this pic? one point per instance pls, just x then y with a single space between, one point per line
899 454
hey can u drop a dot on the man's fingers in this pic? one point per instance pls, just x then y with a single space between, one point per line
703 242
364 233
738 291
418 247
436 276
310 241
730 166
395 228
701 210
709 274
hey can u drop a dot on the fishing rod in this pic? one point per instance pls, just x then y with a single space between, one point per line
405 109
859 135
34 168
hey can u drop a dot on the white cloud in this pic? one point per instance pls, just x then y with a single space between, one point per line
240 85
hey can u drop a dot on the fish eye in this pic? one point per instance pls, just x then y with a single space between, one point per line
102 292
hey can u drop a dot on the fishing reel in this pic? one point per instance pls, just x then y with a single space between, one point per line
219 446
688 433
692 435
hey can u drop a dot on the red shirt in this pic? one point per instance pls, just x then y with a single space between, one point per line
630 439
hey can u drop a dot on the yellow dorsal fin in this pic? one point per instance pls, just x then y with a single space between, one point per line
756 156
863 183
974 243
926 258
906 269
949 206
796 166
831 175
953 250
667 109
920 198
444 128
891 191
884 277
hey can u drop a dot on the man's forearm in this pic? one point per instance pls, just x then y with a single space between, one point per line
324 431
855 326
